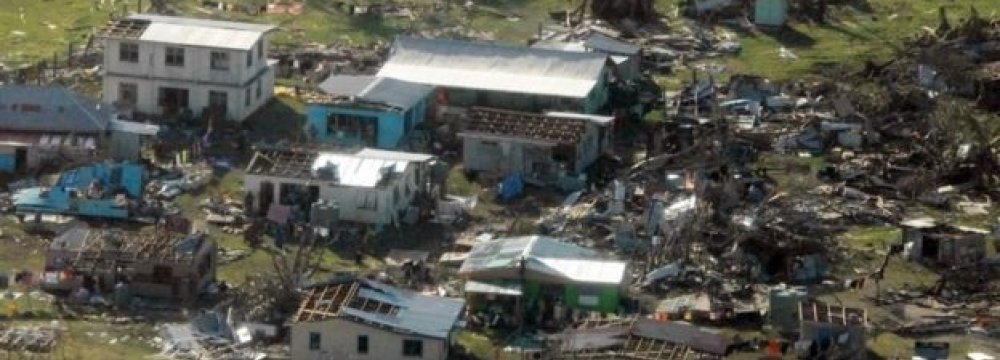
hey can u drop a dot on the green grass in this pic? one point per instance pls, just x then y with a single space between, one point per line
864 29
22 251
49 26
481 346
867 247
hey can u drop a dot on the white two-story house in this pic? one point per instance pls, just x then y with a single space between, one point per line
164 65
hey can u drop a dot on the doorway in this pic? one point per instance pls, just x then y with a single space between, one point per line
172 100
20 159
266 197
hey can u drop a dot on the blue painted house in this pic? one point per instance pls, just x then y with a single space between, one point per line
367 111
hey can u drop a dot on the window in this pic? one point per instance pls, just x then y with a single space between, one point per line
589 296
413 348
395 196
362 344
246 98
313 340
369 201
259 90
128 52
162 274
260 50
220 60
218 99
250 58
128 93
175 56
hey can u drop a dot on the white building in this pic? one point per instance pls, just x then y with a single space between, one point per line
163 65
367 186
359 319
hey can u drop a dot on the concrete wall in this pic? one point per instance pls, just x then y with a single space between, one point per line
349 199
150 73
508 156
339 340
197 63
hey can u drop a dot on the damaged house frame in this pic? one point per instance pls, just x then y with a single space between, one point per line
157 265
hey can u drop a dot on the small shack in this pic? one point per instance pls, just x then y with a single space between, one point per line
366 110
939 244
541 277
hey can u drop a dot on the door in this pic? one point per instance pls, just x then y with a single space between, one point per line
266 196
172 100
20 159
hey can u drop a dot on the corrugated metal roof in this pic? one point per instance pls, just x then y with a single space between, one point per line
366 168
58 110
586 271
346 85
393 92
398 93
493 287
606 44
431 316
546 255
195 35
696 338
483 66
205 23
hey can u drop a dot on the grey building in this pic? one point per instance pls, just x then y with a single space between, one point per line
540 147
41 123
164 64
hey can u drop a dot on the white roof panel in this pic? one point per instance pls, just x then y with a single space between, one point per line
597 119
365 168
587 271
194 35
187 21
485 66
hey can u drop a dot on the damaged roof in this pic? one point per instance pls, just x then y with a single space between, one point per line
695 337
485 66
395 93
51 109
545 256
188 31
363 168
371 302
550 128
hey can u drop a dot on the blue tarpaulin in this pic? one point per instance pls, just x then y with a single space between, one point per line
511 187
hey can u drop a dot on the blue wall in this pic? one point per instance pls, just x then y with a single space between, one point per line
392 125
8 163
